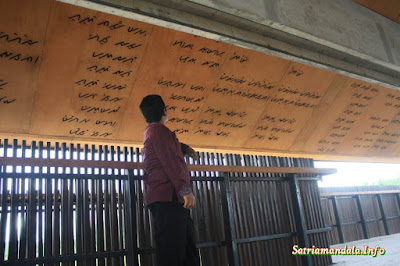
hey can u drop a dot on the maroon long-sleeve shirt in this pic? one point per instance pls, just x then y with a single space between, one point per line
165 167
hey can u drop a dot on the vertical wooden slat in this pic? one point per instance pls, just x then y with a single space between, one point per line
210 205
220 161
196 212
254 220
309 211
93 207
113 216
201 222
292 227
215 210
40 205
291 221
278 162
217 158
316 198
282 248
261 192
237 212
244 200
258 210
201 215
131 226
244 205
48 249
206 208
99 213
286 213
141 218
120 202
278 209
4 205
230 233
275 161
65 241
124 213
241 211
270 191
64 208
70 208
23 242
107 208
262 220
86 209
307 199
266 227
13 244
31 216
265 186
57 209
79 220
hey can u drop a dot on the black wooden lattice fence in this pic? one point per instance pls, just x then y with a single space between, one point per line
72 208
361 215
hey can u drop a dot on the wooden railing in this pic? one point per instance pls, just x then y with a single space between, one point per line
138 165
361 215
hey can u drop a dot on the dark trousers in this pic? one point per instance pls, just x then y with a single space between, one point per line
174 234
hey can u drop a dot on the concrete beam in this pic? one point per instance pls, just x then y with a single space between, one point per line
340 36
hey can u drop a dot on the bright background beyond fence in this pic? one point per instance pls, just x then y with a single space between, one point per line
359 174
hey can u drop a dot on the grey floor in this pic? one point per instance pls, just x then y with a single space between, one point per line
390 243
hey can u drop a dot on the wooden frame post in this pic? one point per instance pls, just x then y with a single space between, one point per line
229 222
338 220
301 226
130 201
363 223
383 214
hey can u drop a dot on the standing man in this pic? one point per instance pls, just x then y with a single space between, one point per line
168 190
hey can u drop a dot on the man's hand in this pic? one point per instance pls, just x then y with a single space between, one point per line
192 153
190 201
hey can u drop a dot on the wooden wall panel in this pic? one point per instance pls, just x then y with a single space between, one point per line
22 34
235 103
80 75
87 74
180 67
376 131
387 8
293 101
343 116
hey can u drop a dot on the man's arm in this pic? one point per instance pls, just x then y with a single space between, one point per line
190 201
187 150
184 148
